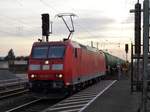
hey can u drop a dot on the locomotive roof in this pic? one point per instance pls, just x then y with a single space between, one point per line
106 53
73 43
78 45
49 43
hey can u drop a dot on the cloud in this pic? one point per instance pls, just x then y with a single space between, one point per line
84 25
24 28
94 24
129 19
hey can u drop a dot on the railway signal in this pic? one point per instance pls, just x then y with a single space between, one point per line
46 26
126 50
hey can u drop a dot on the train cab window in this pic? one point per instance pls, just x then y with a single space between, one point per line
39 52
56 52
75 53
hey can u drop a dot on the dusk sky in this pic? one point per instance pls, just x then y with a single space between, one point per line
105 21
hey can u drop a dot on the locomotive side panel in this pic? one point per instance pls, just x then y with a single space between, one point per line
92 65
68 66
76 65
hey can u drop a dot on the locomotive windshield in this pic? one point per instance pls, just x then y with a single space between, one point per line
39 52
56 52
48 52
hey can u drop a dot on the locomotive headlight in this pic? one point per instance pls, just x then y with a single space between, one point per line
67 84
33 76
59 76
47 62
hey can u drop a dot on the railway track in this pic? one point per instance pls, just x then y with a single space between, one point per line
15 97
7 86
4 84
12 92
36 105
12 87
23 106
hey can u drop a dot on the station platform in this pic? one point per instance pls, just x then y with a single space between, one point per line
117 98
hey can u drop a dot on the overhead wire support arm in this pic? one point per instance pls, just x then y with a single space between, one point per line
133 10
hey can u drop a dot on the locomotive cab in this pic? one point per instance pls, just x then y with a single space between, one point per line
46 67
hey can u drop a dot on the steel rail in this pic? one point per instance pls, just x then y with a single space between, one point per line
23 106
10 93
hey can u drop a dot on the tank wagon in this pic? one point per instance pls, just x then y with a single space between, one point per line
112 62
57 68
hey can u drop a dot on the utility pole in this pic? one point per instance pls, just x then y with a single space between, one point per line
137 35
137 11
145 52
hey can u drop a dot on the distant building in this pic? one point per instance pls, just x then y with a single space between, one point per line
20 62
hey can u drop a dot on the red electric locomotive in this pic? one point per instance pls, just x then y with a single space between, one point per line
56 68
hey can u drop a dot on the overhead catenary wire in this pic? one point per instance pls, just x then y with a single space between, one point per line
54 9
49 6
57 11
20 24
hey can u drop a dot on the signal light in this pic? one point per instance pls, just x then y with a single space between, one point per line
45 24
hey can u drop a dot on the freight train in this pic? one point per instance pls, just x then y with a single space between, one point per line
61 67
112 63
